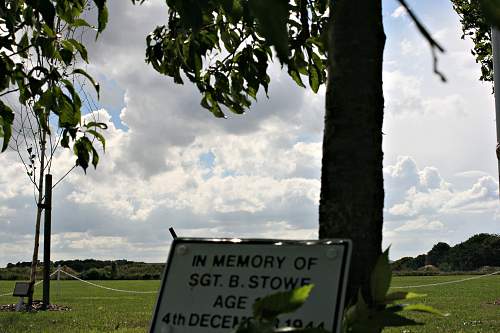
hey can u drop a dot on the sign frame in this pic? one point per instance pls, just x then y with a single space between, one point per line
22 289
342 283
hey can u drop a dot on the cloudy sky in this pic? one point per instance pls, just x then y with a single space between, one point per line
168 162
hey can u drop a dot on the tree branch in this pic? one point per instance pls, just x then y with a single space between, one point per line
432 42
9 91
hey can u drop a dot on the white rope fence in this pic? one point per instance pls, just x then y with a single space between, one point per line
36 284
92 284
108 288
447 282
154 292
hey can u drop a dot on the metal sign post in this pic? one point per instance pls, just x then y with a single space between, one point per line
21 289
210 285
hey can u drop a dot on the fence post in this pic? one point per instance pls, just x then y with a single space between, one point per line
58 280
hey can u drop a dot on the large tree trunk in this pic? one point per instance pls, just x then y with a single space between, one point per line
352 194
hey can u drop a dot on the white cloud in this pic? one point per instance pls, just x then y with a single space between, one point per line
471 174
403 92
168 162
407 47
422 205
420 224
425 192
399 12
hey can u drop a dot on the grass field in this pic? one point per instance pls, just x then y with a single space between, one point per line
469 303
93 309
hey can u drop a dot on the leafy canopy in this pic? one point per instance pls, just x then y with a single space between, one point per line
39 58
267 309
477 18
224 46
476 26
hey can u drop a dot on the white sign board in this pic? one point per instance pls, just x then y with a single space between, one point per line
209 285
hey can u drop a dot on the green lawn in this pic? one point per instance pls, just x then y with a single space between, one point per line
93 309
469 304
99 310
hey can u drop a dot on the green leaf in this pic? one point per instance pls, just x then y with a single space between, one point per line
321 5
232 9
67 116
209 103
76 102
90 78
6 121
95 157
23 46
65 139
273 27
68 109
48 31
80 23
282 302
226 39
314 77
299 62
35 85
102 15
82 149
99 137
47 9
316 41
320 68
295 75
67 45
491 10
80 48
402 295
70 10
96 124
42 113
48 49
422 308
191 13
47 100
24 93
380 279
66 56
359 319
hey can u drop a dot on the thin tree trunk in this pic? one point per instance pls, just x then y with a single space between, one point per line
352 194
38 217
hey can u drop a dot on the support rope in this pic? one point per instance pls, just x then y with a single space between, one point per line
108 288
447 282
154 292
36 284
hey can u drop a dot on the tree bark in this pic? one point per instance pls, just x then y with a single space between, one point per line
39 209
352 193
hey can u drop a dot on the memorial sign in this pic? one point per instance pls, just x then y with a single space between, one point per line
22 289
210 285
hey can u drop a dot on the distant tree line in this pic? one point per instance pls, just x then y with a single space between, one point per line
90 269
474 254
